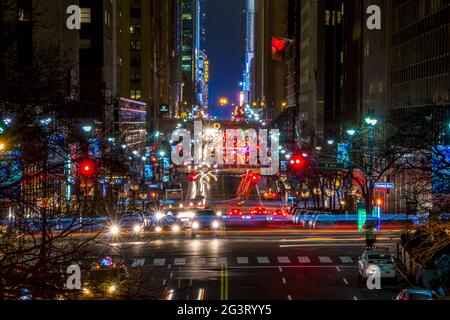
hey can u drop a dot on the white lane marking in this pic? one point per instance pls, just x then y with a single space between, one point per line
201 294
190 283
179 283
159 262
346 259
284 260
355 298
138 263
284 280
304 260
292 267
200 261
320 245
171 275
221 260
263 260
325 259
164 282
345 281
338 269
242 260
187 298
169 266
289 297
179 261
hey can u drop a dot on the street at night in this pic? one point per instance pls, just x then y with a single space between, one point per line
258 267
261 154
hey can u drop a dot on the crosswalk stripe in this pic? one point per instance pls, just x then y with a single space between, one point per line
284 260
242 260
180 261
346 259
159 262
304 260
138 263
263 260
325 259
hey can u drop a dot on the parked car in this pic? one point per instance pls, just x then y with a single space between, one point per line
381 258
416 294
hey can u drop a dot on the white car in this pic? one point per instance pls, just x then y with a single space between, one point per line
380 258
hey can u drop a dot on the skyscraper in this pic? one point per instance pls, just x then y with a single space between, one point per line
147 54
249 66
321 56
267 88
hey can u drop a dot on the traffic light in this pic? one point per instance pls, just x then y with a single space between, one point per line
87 168
379 202
255 178
297 162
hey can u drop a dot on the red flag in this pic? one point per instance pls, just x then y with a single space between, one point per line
278 49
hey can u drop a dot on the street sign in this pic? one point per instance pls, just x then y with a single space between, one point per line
331 165
164 108
384 185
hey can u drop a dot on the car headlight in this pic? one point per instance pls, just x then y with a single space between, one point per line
176 228
158 229
195 225
137 228
216 224
159 216
115 230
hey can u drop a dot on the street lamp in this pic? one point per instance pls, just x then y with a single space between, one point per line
351 132
87 128
371 120
2 146
330 142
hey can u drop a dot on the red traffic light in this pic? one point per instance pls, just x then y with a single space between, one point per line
87 168
379 202
255 178
297 161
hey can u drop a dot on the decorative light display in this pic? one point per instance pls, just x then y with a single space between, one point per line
231 147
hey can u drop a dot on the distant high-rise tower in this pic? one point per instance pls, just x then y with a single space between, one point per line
249 13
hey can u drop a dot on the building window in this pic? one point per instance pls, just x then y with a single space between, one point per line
135 78
135 29
135 12
85 44
135 45
86 15
135 62
135 94
24 10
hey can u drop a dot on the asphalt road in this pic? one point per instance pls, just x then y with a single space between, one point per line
306 267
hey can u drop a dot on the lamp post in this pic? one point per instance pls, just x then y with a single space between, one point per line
371 122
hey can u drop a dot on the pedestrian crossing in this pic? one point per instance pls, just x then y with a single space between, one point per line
241 261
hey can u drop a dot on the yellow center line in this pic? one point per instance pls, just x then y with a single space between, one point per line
226 282
222 282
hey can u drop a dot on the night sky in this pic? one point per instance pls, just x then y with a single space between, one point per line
225 50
